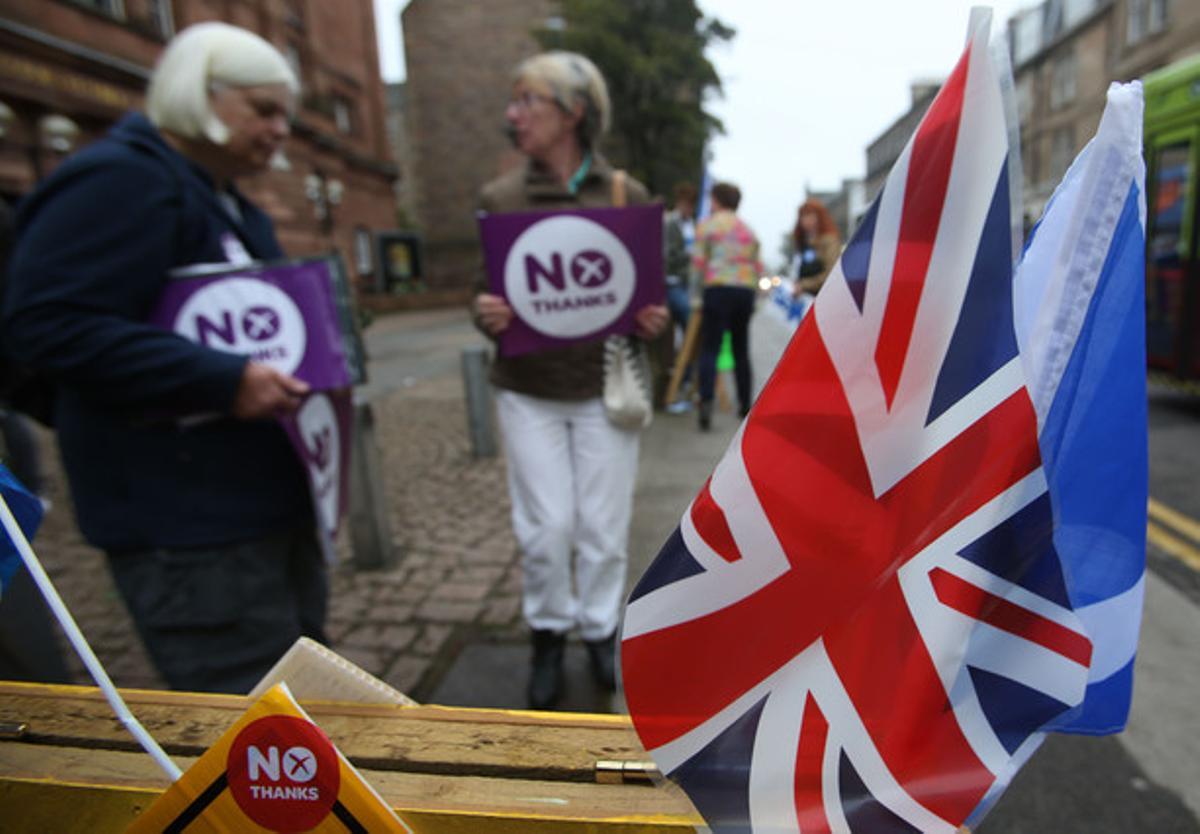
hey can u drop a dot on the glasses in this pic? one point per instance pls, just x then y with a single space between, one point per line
525 101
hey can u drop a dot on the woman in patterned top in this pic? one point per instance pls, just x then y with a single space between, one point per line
726 264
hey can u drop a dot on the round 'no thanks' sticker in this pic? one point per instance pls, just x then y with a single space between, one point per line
284 773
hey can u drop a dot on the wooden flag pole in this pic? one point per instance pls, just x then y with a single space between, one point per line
80 644
689 351
687 354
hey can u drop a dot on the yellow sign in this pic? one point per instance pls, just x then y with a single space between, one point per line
54 78
272 771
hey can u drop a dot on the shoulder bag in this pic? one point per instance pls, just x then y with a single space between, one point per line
627 397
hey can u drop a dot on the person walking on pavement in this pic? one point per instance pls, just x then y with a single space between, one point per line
207 523
726 264
679 231
571 472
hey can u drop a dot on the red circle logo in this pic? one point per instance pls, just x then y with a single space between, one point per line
283 773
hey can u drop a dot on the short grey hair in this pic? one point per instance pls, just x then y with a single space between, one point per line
200 59
572 80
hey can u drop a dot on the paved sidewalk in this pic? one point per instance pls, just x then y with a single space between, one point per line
444 625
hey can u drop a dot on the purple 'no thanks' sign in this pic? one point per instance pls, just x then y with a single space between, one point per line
280 314
573 275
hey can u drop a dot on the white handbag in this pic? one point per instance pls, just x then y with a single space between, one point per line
627 398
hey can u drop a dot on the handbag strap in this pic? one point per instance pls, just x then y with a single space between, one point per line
618 188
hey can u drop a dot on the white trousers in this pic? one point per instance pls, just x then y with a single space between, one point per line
571 476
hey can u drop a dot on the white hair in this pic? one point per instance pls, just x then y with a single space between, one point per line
198 60
572 80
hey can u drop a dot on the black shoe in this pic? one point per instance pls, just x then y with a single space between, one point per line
704 416
603 655
546 676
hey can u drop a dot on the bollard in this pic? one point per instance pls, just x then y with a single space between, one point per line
370 532
479 401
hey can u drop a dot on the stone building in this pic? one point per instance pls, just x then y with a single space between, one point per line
459 57
70 68
398 138
847 205
1066 53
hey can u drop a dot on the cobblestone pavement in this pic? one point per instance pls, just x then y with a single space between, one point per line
457 575
457 581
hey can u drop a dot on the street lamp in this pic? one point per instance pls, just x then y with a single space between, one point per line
58 133
325 195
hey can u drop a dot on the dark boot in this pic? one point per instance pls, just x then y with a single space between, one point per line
546 677
704 415
603 655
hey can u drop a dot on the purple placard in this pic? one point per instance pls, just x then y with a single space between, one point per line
573 275
321 432
282 315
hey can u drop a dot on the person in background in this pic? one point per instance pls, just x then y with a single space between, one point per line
571 472
817 246
207 524
726 265
679 231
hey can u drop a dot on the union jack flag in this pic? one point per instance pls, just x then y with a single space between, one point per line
862 622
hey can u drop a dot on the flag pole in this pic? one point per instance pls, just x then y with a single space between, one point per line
80 644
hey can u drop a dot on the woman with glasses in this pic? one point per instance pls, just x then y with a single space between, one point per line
571 472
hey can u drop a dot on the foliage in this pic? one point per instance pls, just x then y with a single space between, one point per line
651 53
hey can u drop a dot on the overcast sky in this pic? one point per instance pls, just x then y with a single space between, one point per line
808 84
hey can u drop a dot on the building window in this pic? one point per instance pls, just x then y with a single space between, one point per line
112 8
292 53
162 18
1062 151
1158 16
1052 25
1143 18
1025 98
293 14
342 115
1062 81
362 251
1027 35
1075 11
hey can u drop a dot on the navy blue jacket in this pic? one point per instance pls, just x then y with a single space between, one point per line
95 244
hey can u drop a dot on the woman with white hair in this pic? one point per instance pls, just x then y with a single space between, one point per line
571 472
207 524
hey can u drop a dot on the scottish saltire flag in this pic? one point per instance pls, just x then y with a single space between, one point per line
872 611
25 509
1080 323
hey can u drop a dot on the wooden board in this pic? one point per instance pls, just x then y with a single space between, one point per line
444 769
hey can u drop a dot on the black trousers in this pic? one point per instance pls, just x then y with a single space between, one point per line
726 309
215 619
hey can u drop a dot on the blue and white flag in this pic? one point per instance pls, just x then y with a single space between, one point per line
1080 321
27 511
704 206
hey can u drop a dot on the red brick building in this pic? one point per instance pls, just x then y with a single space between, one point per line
459 57
70 68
